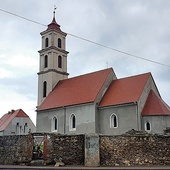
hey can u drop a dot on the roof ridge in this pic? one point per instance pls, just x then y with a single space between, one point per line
137 75
104 83
88 73
8 117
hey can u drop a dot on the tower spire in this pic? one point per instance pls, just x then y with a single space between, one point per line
54 11
53 24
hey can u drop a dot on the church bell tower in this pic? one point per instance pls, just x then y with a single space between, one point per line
53 59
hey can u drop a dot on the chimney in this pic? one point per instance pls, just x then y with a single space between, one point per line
12 111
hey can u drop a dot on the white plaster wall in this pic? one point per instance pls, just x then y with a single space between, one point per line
85 119
11 128
127 119
158 123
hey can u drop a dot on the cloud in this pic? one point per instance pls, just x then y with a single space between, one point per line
139 27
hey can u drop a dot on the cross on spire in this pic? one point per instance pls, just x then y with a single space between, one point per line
54 11
53 24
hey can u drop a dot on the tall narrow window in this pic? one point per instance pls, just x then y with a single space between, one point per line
72 122
59 62
44 89
46 61
54 124
17 129
59 42
113 121
46 42
25 128
147 126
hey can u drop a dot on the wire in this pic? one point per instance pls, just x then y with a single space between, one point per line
23 17
119 50
84 39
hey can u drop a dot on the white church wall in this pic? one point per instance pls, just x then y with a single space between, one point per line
127 119
158 123
44 120
85 118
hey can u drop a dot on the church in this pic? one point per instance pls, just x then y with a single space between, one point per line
96 102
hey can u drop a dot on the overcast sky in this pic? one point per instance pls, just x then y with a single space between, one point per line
138 27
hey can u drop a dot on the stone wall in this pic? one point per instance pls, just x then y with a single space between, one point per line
134 150
89 150
66 148
15 150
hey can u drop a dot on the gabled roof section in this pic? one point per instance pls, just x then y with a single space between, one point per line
155 106
125 90
8 117
77 90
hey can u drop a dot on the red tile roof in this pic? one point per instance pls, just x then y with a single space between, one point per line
155 106
8 117
77 90
54 25
125 90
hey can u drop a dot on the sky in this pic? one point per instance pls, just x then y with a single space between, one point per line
137 27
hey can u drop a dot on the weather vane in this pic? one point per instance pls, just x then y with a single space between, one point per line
54 10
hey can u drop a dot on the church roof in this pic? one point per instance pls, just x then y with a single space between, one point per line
155 106
8 117
125 90
77 90
54 25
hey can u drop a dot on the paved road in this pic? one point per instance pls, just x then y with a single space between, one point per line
10 167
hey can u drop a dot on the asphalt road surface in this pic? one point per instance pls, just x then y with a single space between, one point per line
10 167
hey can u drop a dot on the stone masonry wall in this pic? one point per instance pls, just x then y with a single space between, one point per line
15 150
68 148
134 150
124 150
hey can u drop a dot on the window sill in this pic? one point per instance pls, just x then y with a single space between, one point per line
74 129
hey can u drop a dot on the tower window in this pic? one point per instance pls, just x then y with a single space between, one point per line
147 126
113 121
46 61
72 122
44 89
59 62
54 124
59 43
46 42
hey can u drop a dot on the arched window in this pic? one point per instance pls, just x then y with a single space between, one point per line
113 121
59 62
46 61
54 124
44 89
17 129
46 42
72 122
59 43
147 126
25 128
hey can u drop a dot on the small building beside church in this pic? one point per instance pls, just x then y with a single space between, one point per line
96 102
16 122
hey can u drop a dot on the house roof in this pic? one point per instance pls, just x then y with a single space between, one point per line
155 106
8 117
125 90
77 90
